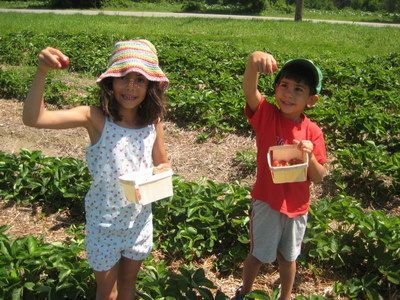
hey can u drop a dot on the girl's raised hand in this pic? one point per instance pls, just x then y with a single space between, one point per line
263 62
52 58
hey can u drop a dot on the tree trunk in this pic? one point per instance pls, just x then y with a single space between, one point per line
298 15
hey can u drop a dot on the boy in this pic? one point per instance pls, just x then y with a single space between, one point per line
279 211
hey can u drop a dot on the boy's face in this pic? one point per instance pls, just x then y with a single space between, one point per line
293 97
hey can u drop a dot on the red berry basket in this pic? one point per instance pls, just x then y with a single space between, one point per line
287 164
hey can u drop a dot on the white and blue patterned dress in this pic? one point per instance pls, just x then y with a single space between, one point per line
114 226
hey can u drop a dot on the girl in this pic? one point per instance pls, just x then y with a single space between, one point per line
126 134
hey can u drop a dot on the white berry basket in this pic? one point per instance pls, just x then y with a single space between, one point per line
150 187
289 173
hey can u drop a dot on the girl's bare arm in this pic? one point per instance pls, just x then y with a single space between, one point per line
34 111
36 115
160 157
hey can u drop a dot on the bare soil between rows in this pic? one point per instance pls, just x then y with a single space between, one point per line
212 159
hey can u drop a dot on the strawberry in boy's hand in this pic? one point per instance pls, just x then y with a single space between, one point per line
274 66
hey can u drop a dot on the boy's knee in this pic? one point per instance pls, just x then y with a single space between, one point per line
283 260
253 260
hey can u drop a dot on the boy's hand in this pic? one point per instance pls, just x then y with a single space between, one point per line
51 58
316 171
258 62
263 62
304 145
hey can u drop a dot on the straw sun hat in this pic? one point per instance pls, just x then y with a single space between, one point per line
135 56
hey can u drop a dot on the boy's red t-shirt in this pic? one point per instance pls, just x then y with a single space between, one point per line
272 128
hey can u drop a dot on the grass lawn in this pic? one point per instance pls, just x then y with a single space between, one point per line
288 11
283 37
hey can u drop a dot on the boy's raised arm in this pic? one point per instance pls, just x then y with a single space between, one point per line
258 62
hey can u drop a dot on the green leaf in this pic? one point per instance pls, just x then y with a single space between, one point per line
29 285
17 293
32 244
63 274
257 294
5 249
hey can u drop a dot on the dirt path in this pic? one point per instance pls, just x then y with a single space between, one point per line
191 160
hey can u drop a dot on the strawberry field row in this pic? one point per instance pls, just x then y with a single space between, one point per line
209 219
359 114
358 110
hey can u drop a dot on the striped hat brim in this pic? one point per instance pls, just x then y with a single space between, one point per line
135 56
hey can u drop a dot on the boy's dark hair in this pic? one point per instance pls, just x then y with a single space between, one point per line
299 74
150 111
302 70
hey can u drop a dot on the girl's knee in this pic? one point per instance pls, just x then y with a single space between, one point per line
106 294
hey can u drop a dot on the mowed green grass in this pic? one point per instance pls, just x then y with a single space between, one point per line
273 11
321 40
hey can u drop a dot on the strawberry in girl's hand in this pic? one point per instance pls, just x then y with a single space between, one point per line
64 62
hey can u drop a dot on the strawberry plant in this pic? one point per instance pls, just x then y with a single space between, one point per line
207 218
32 177
371 167
342 236
32 269
246 162
14 84
204 219
156 280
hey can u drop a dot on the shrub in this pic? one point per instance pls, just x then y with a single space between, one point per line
192 6
76 3
255 6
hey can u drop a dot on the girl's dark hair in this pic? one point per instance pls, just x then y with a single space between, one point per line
150 111
299 73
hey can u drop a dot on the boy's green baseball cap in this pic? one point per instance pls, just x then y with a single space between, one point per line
305 63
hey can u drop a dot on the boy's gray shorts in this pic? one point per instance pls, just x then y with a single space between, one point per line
272 231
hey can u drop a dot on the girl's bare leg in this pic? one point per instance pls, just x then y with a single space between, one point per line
107 284
127 276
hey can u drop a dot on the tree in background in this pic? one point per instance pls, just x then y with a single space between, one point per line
298 15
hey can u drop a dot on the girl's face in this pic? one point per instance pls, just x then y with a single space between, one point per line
293 97
130 90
